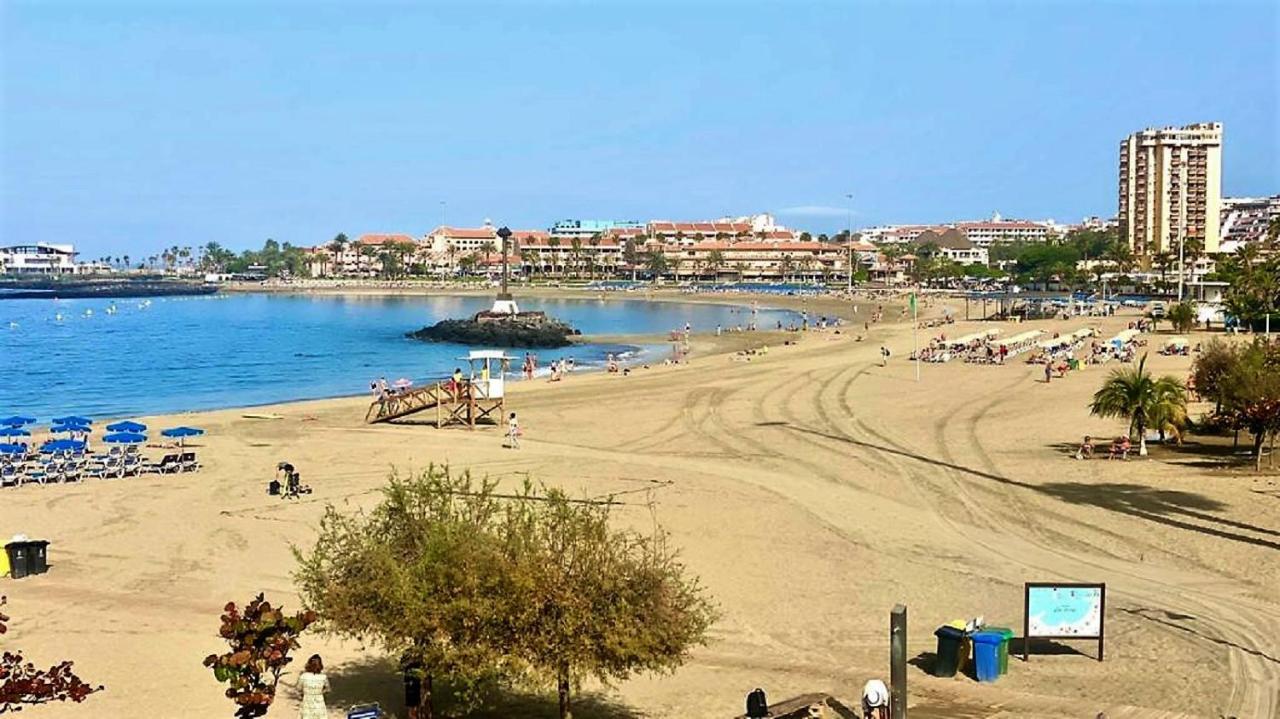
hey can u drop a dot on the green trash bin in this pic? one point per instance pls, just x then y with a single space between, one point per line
1004 646
949 641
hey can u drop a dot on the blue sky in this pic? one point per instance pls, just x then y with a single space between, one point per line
131 127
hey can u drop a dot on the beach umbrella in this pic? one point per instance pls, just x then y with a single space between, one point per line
74 428
13 449
402 383
125 438
17 420
62 445
73 419
127 426
182 433
14 432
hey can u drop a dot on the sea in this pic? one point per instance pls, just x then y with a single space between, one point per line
119 358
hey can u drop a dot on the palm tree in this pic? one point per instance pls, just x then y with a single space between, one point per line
575 248
715 260
554 244
595 252
1134 394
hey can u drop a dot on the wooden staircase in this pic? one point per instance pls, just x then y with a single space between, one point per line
452 405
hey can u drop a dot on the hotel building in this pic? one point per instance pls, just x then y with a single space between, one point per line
1171 188
40 259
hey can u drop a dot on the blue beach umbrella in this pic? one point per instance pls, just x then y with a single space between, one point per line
125 438
127 426
14 432
73 428
62 445
13 449
73 419
182 433
17 420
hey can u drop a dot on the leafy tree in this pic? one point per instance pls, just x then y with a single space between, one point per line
22 685
1250 391
657 262
422 575
806 237
1134 394
259 640
597 601
1182 316
715 262
1211 368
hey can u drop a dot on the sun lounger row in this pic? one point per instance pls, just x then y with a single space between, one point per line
75 468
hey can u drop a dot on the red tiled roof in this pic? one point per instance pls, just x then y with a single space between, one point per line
374 239
1002 225
761 246
466 233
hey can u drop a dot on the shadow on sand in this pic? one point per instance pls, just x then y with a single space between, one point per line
378 680
1174 508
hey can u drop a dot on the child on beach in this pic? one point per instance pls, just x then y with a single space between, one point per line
513 432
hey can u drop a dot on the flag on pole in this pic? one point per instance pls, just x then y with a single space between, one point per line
913 303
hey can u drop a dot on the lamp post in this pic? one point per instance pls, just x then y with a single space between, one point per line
848 270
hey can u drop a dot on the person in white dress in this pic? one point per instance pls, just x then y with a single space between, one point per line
314 685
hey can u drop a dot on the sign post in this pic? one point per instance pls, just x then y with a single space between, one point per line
1056 610
898 662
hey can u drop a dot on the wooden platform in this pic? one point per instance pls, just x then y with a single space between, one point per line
452 405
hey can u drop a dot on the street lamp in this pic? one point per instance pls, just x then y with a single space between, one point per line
848 270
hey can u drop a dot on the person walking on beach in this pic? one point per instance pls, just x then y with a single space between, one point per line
314 685
884 356
513 432
1048 371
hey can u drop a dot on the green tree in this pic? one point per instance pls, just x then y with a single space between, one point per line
1250 392
1182 316
575 256
599 602
422 575
1134 394
554 244
716 263
657 263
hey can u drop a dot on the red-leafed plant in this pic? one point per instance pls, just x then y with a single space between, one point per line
259 640
22 684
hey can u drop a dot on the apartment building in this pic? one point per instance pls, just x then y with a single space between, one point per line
755 260
585 229
1171 188
40 259
1246 219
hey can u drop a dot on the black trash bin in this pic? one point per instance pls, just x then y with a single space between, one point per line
948 661
38 556
19 559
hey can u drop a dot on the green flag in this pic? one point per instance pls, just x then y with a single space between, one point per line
913 303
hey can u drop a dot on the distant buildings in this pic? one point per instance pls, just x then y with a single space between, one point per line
41 259
584 229
1171 188
1246 219
954 245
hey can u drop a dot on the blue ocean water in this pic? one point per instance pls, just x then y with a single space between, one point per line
187 353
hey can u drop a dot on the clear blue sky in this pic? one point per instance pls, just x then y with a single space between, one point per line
127 128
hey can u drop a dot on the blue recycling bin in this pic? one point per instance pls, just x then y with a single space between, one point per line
986 655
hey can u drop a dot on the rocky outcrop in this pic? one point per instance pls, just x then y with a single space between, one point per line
526 329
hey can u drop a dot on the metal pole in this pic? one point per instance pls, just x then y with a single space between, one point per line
848 270
898 662
1182 241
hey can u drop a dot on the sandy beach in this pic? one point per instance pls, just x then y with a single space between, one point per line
810 488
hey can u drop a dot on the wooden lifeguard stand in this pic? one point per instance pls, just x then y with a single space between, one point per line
477 397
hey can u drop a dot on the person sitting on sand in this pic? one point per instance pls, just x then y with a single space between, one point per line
1120 448
1086 448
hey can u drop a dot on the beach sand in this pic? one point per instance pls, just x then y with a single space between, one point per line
810 489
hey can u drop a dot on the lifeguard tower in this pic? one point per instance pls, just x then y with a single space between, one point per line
476 398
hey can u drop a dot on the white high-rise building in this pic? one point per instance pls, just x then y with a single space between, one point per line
1171 188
